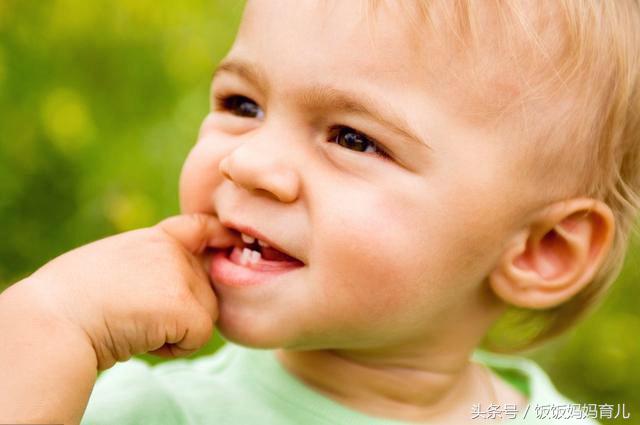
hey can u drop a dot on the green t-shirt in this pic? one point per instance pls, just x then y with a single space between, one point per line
243 386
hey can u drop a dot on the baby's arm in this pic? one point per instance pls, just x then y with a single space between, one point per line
140 291
47 366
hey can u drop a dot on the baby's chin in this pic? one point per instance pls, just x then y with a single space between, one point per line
273 336
268 333
251 331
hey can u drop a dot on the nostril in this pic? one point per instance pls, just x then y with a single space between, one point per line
223 167
263 192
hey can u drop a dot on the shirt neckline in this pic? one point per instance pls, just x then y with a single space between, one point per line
265 370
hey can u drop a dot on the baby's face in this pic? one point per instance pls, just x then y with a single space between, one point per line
328 136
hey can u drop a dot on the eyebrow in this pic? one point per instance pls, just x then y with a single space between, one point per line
357 103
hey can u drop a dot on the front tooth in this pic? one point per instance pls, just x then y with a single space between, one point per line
263 244
247 239
246 253
255 257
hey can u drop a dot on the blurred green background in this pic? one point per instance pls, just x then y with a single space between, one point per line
100 102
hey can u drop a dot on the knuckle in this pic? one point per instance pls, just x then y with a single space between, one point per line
157 239
199 219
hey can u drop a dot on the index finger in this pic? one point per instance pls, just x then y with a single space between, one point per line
197 231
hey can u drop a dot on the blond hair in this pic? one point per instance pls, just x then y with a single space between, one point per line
587 60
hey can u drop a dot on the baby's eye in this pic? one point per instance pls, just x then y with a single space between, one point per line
352 139
241 106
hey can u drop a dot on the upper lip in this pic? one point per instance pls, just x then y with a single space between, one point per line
250 231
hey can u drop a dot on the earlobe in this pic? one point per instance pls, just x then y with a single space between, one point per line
556 255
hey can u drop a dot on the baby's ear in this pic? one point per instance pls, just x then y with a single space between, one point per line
556 255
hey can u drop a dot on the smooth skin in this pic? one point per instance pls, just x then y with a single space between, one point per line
408 258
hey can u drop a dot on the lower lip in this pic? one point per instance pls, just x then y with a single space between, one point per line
226 269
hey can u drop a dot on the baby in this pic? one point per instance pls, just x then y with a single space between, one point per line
377 186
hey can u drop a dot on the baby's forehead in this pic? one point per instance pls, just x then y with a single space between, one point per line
444 47
487 63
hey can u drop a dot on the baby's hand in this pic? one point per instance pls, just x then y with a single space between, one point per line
146 290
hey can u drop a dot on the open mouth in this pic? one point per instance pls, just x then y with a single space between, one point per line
261 257
255 250
254 259
250 263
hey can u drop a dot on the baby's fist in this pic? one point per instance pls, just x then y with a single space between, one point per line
146 290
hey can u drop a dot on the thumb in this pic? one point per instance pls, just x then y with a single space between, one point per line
197 231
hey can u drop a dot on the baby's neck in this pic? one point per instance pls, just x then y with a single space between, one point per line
438 389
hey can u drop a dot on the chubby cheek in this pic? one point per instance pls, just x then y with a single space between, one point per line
199 176
370 271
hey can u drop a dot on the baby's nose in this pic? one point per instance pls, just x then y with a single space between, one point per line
250 166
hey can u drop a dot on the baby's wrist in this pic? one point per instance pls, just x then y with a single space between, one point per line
33 298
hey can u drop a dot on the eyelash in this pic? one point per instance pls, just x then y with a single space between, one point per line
225 103
230 102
